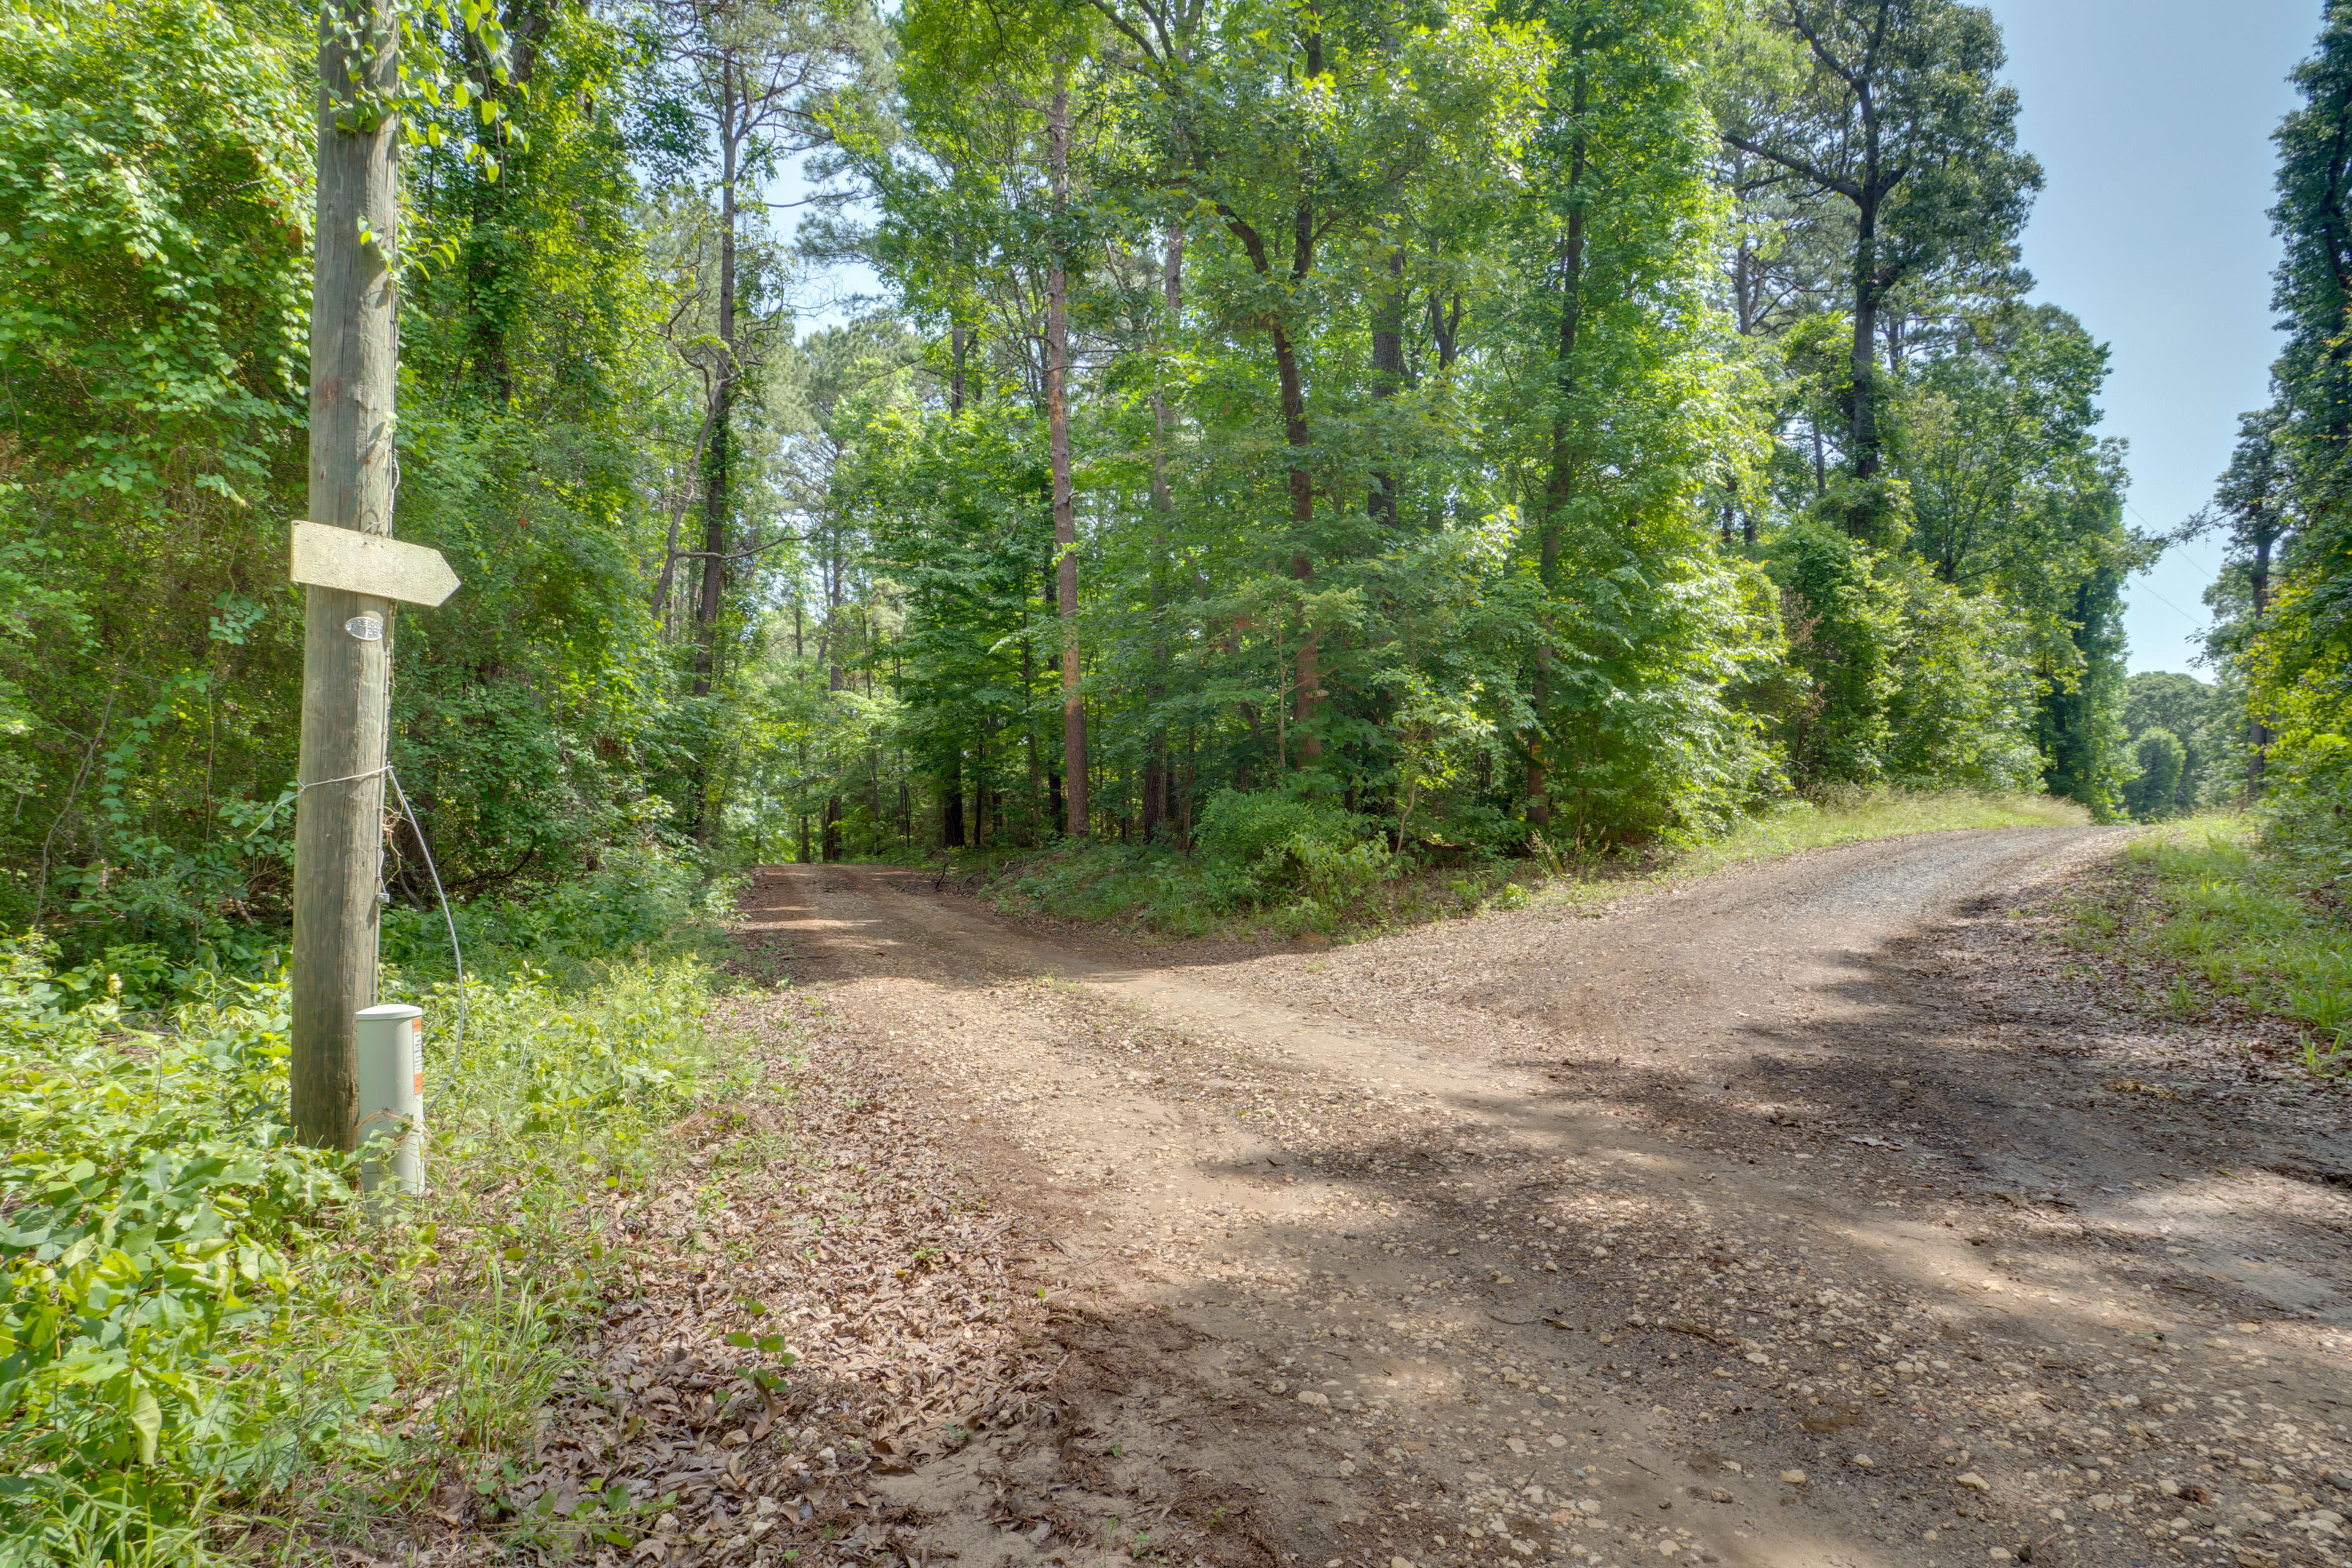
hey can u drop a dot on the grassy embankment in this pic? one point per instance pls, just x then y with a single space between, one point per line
2219 923
1369 892
206 1351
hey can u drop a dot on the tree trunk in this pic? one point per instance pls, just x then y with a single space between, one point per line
1388 376
1861 433
1037 831
1302 520
666 585
1306 664
1057 421
338 810
1560 490
951 801
1743 287
2258 731
1164 507
718 457
1445 329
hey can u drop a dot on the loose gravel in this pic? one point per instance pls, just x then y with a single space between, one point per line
1828 1212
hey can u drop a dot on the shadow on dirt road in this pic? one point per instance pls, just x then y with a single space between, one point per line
1809 1214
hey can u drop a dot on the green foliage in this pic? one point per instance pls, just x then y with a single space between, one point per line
2309 739
1417 513
1898 117
2282 603
153 203
2154 793
154 174
2289 490
1268 842
587 1074
192 1310
1962 712
637 904
156 1207
1842 634
1240 831
2082 726
2197 716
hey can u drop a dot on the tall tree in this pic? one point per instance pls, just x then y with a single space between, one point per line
755 80
2256 506
1057 418
1894 107
2299 577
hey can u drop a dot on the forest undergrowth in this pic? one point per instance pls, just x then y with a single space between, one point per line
1282 870
208 1349
2213 919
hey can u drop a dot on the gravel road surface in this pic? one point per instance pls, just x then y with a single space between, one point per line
1828 1212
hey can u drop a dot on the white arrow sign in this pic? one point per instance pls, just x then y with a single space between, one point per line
370 564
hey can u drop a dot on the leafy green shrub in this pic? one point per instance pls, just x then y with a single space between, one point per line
1844 624
640 901
2162 758
1266 843
2310 820
1331 874
603 1065
190 1307
1237 828
153 1202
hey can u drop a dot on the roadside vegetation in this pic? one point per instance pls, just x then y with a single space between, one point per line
2217 919
206 1348
1264 867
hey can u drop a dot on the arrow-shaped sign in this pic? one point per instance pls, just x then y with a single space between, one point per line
370 564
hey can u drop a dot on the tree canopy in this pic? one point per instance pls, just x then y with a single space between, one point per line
1470 434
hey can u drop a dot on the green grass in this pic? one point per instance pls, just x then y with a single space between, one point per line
1802 825
2222 920
1158 892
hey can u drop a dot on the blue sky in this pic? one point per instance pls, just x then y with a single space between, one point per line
2152 119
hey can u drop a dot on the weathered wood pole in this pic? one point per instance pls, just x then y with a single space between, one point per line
339 815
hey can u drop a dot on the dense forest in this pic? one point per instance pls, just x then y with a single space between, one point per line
1383 431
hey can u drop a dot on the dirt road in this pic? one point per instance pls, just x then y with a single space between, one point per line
1814 1213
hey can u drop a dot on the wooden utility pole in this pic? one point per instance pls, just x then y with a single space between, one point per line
346 636
1057 436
